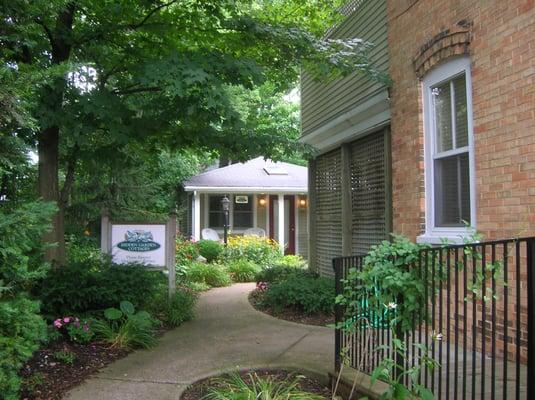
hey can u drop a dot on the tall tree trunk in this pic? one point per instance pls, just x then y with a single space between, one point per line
48 149
49 137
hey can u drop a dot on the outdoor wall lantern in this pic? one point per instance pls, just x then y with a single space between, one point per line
262 201
225 205
302 202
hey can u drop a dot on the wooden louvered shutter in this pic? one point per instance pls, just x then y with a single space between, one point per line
369 192
328 216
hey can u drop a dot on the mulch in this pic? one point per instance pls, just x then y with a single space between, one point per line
201 388
289 314
45 377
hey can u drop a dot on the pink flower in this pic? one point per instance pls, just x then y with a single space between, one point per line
57 323
67 320
86 328
77 323
262 286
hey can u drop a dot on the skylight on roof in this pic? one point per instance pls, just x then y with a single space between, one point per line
275 170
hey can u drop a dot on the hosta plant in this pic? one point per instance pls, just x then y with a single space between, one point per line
126 328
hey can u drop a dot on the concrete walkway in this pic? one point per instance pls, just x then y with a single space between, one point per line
226 334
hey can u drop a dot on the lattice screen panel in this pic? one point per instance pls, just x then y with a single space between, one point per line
368 195
329 211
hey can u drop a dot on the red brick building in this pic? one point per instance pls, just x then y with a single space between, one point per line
452 140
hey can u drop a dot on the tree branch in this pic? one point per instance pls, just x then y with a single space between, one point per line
137 90
151 13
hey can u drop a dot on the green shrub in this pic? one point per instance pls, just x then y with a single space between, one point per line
243 270
212 275
210 249
186 251
83 248
179 309
306 293
21 331
125 328
261 251
93 285
258 388
65 357
291 261
279 273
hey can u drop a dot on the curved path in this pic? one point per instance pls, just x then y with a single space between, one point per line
227 333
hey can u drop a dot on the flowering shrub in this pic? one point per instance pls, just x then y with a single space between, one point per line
76 330
261 286
186 251
261 251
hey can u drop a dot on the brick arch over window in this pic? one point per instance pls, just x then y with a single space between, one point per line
448 43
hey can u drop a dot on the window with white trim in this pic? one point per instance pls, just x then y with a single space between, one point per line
449 165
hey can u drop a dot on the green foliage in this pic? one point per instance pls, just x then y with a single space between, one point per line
243 270
125 328
212 275
261 251
279 273
65 357
82 249
21 331
93 285
306 293
291 261
392 373
258 388
386 280
21 229
186 251
210 249
21 327
179 309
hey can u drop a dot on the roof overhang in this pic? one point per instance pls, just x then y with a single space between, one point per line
246 189
370 115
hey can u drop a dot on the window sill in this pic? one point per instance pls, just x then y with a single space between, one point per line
453 237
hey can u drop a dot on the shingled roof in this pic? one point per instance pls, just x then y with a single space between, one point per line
254 176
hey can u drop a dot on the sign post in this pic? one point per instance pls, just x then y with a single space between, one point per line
151 244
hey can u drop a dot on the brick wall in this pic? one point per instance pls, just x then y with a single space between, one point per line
501 44
499 37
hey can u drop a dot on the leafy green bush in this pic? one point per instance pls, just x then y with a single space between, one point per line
212 275
243 270
210 249
125 328
291 261
258 388
90 286
261 251
65 356
186 251
21 331
179 309
81 249
21 327
279 273
306 293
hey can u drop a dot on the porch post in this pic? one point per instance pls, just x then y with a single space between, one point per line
347 214
311 215
281 222
197 215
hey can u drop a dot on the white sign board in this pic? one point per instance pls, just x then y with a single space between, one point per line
132 243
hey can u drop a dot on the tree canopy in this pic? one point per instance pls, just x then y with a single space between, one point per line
88 81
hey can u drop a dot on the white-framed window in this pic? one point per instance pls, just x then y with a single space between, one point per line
449 155
216 217
241 213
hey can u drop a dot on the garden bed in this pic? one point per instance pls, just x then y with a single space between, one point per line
45 377
201 388
289 313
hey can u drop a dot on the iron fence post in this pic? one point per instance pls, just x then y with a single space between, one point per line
337 316
531 318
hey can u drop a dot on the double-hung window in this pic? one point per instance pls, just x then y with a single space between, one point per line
449 162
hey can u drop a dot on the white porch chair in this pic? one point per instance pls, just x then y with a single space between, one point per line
210 234
255 232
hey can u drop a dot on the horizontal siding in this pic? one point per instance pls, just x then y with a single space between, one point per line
323 102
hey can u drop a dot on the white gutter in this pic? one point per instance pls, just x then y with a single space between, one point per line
247 189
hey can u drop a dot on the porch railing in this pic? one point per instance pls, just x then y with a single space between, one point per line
487 346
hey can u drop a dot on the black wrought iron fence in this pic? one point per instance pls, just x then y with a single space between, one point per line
479 323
